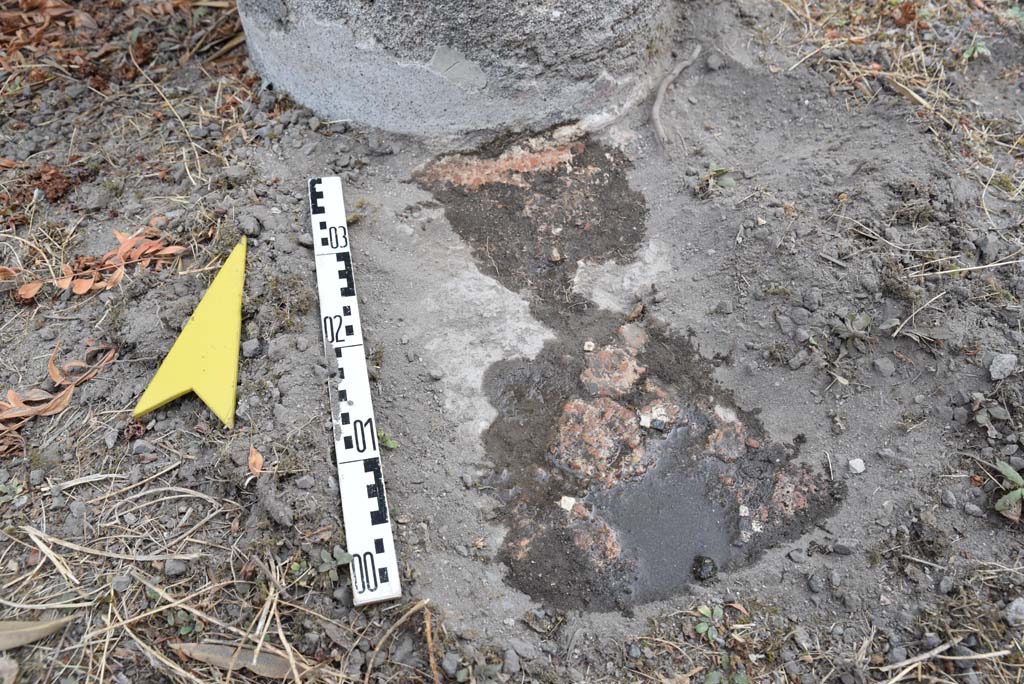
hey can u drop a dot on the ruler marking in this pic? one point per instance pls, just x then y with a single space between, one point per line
374 567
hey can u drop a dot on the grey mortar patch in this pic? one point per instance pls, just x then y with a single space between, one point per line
454 66
532 210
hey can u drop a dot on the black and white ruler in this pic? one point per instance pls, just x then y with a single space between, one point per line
364 503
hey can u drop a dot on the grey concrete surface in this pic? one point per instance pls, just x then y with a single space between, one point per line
456 66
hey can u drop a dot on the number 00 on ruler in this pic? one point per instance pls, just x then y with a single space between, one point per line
364 503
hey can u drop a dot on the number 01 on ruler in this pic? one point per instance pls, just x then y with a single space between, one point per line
364 504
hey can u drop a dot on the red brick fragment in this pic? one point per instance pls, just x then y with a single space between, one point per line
611 372
600 439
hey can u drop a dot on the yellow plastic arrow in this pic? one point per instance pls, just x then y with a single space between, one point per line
204 358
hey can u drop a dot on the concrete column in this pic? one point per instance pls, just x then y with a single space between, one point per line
455 66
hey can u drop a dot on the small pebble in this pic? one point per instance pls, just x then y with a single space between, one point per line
973 510
141 446
511 665
1015 612
450 663
885 367
857 466
1002 366
250 348
175 567
897 654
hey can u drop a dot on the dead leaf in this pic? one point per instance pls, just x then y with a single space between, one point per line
55 405
127 244
82 285
11 443
225 658
255 461
51 367
144 247
28 291
64 281
36 394
15 633
8 273
905 14
114 280
739 607
8 670
6 163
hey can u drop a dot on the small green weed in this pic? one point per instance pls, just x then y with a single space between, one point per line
711 626
386 440
331 562
1009 504
9 491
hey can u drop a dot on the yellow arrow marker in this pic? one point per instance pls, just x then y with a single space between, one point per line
204 358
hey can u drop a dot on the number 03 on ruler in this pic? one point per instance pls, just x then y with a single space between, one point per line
364 505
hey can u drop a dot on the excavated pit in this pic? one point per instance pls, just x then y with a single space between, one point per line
617 458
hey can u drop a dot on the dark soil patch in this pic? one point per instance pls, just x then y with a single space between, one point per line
608 500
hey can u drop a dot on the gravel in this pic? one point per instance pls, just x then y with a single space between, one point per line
511 665
450 663
1002 366
141 446
1015 612
885 367
250 348
175 567
896 654
973 510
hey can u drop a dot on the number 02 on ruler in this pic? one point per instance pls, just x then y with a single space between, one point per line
364 504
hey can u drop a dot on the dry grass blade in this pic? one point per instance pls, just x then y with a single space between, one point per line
917 311
202 615
659 129
430 646
14 633
36 535
230 658
59 563
387 635
234 42
184 127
